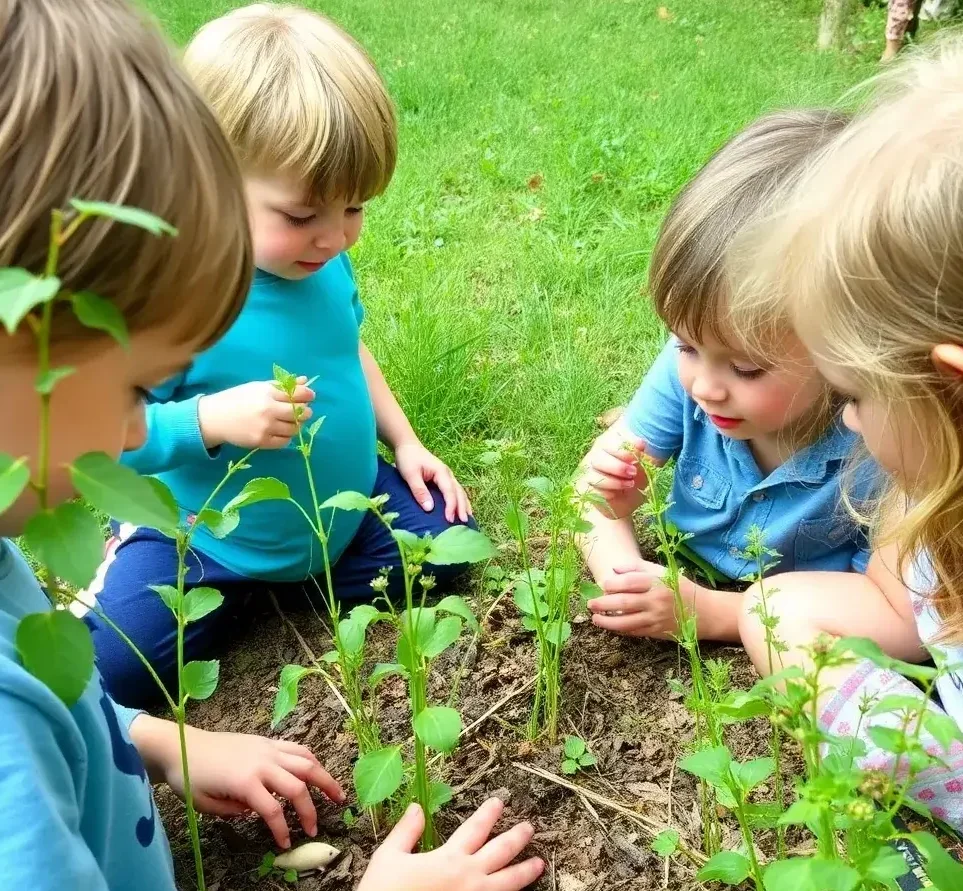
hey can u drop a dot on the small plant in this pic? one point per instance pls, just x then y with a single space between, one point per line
267 868
576 755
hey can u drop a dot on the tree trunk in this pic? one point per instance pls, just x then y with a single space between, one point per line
832 24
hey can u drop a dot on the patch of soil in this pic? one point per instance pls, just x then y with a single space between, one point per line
615 697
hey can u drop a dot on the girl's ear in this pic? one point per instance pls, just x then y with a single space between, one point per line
948 359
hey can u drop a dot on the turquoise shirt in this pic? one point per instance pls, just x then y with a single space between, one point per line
76 809
719 492
309 327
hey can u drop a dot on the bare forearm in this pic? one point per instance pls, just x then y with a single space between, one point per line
394 429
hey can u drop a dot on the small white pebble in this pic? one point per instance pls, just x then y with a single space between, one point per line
313 855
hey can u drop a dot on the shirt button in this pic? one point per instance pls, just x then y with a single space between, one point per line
758 496
735 552
697 482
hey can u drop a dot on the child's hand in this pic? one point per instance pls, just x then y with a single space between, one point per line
612 470
257 415
234 773
418 467
637 603
467 862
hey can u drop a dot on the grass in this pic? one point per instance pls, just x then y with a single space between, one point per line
541 140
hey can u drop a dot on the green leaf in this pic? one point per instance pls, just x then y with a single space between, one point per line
199 602
541 484
809 874
167 593
56 648
20 292
569 766
439 794
68 540
332 657
867 649
727 867
406 539
378 775
711 765
351 633
741 706
286 700
383 670
887 867
121 213
200 678
458 606
666 843
751 773
801 813
348 501
527 601
557 633
46 382
263 488
286 381
438 727
122 493
290 876
588 591
574 747
96 312
315 427
219 523
459 544
517 522
587 760
894 703
267 864
945 872
446 632
14 476
943 728
888 738
366 614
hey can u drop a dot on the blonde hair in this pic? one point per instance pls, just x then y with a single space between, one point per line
295 94
92 106
740 184
868 260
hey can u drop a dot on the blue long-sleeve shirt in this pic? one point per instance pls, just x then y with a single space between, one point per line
309 327
76 809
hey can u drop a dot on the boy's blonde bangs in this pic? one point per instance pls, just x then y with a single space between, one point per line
298 96
867 261
92 106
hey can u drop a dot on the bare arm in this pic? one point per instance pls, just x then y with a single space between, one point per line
394 429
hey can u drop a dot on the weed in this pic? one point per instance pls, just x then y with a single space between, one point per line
267 868
576 755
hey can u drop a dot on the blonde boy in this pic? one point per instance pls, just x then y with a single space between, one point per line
316 135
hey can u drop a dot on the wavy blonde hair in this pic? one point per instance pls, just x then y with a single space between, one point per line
93 106
297 95
868 261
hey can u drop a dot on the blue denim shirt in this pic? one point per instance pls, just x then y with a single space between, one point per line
719 493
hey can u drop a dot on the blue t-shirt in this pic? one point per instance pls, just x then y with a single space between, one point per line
719 492
309 327
76 809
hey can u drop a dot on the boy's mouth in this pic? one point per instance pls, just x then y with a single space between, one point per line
309 267
725 423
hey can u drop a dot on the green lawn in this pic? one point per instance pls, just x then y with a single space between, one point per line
541 141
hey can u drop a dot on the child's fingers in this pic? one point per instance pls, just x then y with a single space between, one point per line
312 773
634 624
609 464
301 394
262 802
516 877
628 583
504 848
289 414
474 832
407 831
608 485
618 603
445 481
295 790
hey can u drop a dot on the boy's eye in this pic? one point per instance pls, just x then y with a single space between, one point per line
298 221
749 374
354 211
685 348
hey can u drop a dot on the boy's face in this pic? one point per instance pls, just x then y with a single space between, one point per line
97 408
294 240
742 398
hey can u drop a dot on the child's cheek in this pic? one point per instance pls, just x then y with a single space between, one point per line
277 246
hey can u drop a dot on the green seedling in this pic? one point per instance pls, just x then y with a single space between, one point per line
576 756
267 868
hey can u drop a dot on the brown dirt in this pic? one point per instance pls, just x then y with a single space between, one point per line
616 699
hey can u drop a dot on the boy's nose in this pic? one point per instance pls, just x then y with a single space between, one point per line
706 389
332 240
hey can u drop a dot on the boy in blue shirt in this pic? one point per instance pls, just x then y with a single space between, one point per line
757 440
312 124
93 105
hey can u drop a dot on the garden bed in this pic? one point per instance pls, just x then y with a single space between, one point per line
615 698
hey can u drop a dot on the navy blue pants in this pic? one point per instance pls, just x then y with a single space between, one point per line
144 557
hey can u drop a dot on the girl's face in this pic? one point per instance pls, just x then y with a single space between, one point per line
292 239
97 408
746 400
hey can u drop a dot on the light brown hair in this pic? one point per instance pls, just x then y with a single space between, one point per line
297 95
92 106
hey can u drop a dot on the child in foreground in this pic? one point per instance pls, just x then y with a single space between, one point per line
315 131
92 105
756 438
868 261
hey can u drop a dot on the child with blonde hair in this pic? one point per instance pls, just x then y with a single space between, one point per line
315 132
92 105
755 437
868 261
